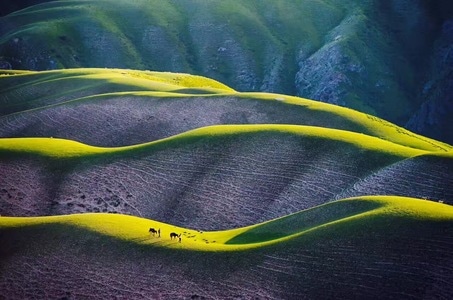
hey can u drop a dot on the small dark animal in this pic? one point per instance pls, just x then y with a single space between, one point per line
153 231
175 235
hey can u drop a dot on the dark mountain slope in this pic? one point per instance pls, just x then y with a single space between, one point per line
9 6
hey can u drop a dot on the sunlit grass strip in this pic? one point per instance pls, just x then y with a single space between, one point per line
60 148
167 84
353 210
373 125
145 79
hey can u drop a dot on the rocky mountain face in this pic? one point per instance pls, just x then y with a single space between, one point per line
391 59
434 116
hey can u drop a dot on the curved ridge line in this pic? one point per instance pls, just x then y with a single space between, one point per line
357 139
386 205
349 114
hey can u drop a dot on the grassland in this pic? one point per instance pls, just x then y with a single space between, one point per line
215 177
149 136
89 93
360 245
255 206
353 211
271 196
59 148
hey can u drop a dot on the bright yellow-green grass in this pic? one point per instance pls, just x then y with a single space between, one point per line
60 148
373 125
147 80
370 125
166 84
135 229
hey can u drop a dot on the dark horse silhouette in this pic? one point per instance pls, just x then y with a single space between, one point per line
153 231
175 235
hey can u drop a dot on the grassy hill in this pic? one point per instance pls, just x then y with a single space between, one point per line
187 154
213 177
272 196
362 55
135 230
357 245
193 152
90 105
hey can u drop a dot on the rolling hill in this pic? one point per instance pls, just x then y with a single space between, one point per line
378 247
389 59
239 174
90 105
214 177
275 197
267 195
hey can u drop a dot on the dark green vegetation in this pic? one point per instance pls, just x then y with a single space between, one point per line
388 58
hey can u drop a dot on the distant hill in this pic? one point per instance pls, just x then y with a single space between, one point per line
386 58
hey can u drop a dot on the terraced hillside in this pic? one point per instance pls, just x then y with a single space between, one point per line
390 59
259 186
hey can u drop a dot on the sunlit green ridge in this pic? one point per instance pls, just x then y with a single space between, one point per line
119 182
352 211
70 149
132 79
27 92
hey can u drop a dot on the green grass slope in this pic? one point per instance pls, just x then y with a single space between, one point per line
357 245
68 149
213 177
274 196
353 210
123 107
30 90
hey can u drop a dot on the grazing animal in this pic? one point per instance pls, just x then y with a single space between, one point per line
153 231
175 235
